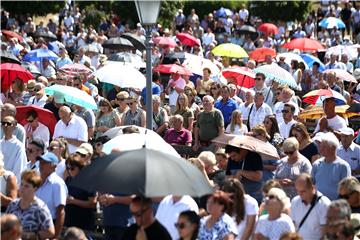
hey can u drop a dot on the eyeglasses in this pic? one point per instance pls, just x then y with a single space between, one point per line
37 89
130 103
139 213
6 124
345 196
181 225
52 148
289 153
258 79
285 111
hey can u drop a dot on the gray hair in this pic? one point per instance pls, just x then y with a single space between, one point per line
208 158
291 144
349 184
330 139
210 98
156 98
178 117
343 206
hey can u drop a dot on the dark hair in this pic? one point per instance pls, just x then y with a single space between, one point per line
300 127
260 74
296 64
235 187
307 179
316 64
292 107
32 113
130 129
193 218
32 177
155 76
103 139
229 149
75 160
274 126
221 198
143 201
38 143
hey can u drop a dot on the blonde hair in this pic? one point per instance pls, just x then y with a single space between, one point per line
291 144
261 130
186 102
234 116
208 158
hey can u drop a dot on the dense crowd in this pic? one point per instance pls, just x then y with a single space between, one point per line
311 191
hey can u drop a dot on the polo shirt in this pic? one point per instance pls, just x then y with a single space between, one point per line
181 137
311 228
34 101
76 129
226 109
285 128
351 155
209 124
53 192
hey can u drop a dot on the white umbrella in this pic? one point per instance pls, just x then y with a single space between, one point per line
121 75
196 64
350 51
291 56
277 74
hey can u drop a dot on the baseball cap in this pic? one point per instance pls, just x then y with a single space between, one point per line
49 157
347 131
318 137
85 148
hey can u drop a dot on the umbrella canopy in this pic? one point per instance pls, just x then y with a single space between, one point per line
11 34
125 76
8 57
172 68
46 117
74 69
11 71
342 74
196 64
289 56
126 57
187 39
72 95
316 97
310 60
147 172
350 51
165 41
46 35
55 46
31 68
230 50
317 112
223 13
265 150
138 42
172 57
248 30
118 43
118 131
244 76
304 44
332 22
259 54
268 28
133 141
39 54
278 74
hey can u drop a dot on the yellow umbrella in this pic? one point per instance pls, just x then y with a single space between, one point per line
316 112
230 50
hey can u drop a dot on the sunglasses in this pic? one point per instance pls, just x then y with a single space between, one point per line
139 213
181 225
30 120
130 103
285 111
289 153
6 124
271 197
52 148
81 154
258 79
345 196
37 89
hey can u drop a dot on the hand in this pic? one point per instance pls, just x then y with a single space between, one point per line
238 174
259 236
106 199
70 199
141 235
286 182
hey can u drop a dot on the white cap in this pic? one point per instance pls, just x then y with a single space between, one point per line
347 131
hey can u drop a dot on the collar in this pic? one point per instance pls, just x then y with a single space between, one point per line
351 147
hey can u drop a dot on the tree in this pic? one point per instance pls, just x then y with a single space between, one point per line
32 8
280 10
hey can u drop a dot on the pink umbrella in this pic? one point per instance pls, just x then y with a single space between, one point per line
342 74
167 41
187 39
75 69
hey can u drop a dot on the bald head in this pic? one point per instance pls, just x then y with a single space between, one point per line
8 109
65 114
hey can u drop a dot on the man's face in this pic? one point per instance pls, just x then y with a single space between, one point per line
334 222
33 151
8 124
346 140
237 156
303 191
46 168
65 117
139 213
259 99
207 103
259 80
225 93
329 106
77 83
287 113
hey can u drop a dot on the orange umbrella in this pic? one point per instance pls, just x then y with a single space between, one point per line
259 54
316 112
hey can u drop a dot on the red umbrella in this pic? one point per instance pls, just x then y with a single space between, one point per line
75 69
172 68
304 44
245 77
187 39
11 71
11 34
259 54
268 28
167 41
46 117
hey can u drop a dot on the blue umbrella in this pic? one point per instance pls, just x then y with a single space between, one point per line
223 13
39 54
331 22
310 59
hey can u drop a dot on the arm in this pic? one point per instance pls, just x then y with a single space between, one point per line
221 131
47 233
197 141
191 123
90 203
249 229
251 175
11 190
59 221
143 119
117 120
91 132
109 199
198 85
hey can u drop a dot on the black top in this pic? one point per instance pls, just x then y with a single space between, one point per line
76 216
155 231
50 106
309 151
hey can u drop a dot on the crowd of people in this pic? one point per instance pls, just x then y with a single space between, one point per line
312 191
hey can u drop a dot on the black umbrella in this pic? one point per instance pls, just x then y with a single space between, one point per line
8 57
46 35
31 68
171 57
135 40
248 30
118 43
144 171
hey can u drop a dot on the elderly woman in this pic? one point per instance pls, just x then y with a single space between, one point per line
106 118
33 213
272 225
135 115
291 166
182 108
244 209
306 146
8 185
218 224
160 116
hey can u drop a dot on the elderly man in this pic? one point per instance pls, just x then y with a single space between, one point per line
258 110
329 170
350 151
178 135
261 86
309 208
160 116
349 189
338 215
245 107
72 128
333 64
226 104
332 121
209 125
9 109
213 172
12 149
287 97
53 190
40 98
64 59
331 80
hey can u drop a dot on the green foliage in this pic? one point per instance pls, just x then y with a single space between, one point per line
33 8
280 10
93 16
168 11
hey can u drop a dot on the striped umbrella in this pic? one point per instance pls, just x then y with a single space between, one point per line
277 74
332 22
310 60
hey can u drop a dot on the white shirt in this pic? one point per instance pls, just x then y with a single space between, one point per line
251 208
243 14
335 123
351 155
208 38
311 228
275 228
173 96
285 128
168 212
49 71
237 129
245 110
41 132
76 129
34 101
257 116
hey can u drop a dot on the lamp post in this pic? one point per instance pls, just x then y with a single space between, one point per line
148 12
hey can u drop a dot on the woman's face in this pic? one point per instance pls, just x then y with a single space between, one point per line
267 123
214 90
55 148
181 100
214 207
26 189
73 170
297 135
272 203
185 227
104 108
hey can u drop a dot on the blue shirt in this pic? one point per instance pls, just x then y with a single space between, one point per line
156 90
226 109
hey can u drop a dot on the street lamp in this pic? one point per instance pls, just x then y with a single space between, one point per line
148 12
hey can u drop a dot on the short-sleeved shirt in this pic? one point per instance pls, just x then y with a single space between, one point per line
108 120
209 124
328 175
257 116
251 209
350 155
181 137
155 231
309 151
88 116
35 218
273 229
53 192
223 227
335 123
226 109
